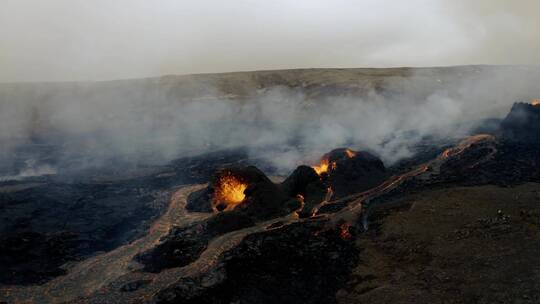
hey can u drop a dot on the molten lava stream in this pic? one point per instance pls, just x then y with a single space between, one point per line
229 191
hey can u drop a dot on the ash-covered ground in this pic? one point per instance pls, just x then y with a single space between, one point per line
456 221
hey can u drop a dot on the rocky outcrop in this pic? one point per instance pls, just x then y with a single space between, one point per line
307 265
354 172
306 184
262 199
185 244
33 258
522 124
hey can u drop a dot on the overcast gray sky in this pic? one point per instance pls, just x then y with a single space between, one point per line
57 40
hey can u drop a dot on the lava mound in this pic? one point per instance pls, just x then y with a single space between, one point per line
226 189
246 190
340 172
352 172
242 198
522 124
306 185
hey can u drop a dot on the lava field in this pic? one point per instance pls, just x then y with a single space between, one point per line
216 229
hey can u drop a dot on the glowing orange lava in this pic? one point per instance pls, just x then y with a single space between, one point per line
446 153
229 191
350 153
322 167
465 144
535 102
345 233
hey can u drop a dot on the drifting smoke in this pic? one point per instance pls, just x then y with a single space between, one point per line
31 169
154 120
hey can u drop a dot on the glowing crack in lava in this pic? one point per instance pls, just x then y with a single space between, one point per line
229 192
535 102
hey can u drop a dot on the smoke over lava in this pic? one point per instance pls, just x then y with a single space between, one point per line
284 118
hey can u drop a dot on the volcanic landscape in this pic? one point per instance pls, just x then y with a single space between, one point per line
440 212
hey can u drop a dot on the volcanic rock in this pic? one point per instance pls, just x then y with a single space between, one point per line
263 199
184 245
522 124
266 200
353 172
201 200
47 222
33 258
299 180
307 265
204 200
304 181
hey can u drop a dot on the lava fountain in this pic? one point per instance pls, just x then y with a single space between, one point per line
229 192
326 166
322 167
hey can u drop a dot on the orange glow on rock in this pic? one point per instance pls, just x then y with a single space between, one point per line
350 153
229 191
345 233
322 167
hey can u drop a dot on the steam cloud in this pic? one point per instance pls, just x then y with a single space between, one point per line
146 122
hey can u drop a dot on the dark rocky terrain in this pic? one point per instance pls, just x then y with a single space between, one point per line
521 124
474 244
48 221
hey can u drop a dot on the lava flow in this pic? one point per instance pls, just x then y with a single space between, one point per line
229 192
465 144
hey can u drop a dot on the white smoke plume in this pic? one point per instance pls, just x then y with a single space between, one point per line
153 120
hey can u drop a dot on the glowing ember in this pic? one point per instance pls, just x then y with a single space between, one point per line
229 191
345 233
300 198
350 153
535 102
325 166
446 153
